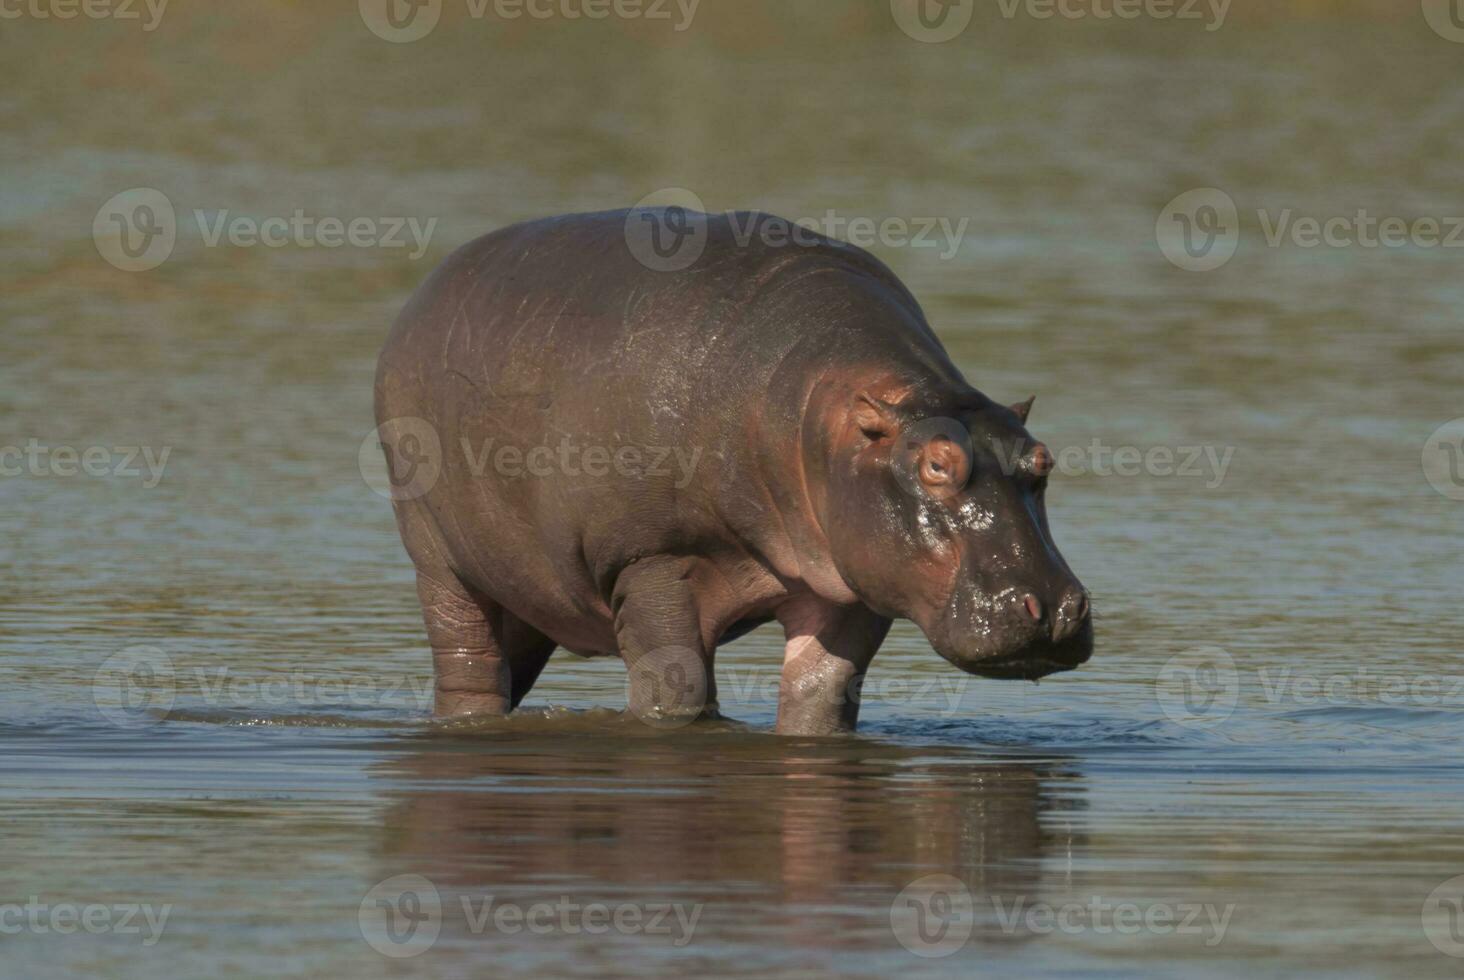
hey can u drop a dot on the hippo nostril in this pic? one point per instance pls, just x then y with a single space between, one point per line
1072 614
1034 608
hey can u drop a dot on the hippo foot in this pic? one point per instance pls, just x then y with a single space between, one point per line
466 704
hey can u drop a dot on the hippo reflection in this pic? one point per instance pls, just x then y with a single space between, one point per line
742 825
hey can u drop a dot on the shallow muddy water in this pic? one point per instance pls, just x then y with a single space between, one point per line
215 756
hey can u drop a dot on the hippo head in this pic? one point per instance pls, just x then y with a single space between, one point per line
938 516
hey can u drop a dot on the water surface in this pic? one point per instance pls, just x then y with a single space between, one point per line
1306 796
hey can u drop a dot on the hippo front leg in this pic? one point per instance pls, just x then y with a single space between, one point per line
828 649
658 631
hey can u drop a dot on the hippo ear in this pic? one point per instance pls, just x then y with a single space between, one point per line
876 418
1023 408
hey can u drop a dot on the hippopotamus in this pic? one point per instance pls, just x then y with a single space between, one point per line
627 457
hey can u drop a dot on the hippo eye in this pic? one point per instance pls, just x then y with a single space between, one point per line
944 466
1042 461
872 433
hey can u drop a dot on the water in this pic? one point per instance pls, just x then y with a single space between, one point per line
1264 749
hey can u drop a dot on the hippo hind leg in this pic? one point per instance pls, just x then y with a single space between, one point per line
484 658
658 631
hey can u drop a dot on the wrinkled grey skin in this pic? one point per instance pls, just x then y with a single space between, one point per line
826 466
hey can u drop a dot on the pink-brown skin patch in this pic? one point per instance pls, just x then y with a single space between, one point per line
834 471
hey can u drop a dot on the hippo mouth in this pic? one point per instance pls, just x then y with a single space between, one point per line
1020 668
1031 665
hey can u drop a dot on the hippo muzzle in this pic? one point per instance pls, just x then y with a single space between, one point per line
1014 634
